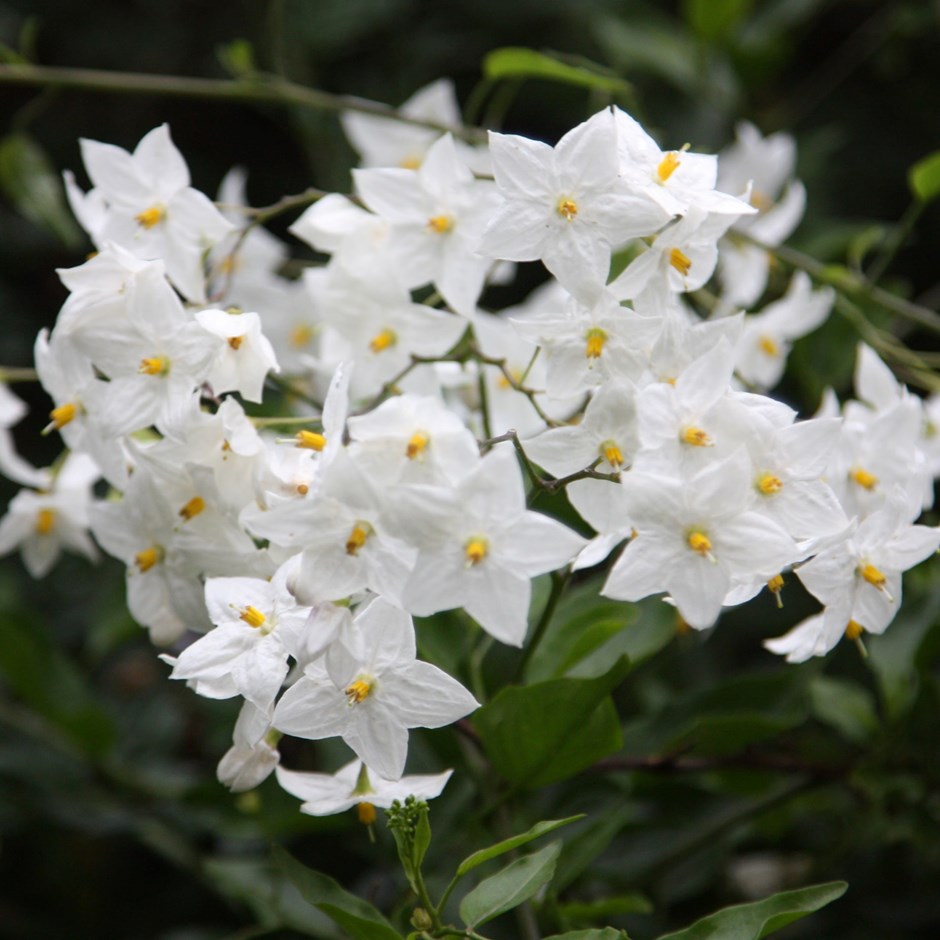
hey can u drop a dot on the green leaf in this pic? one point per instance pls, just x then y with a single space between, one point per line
29 181
924 177
762 918
537 734
603 933
508 888
845 706
593 911
507 845
422 839
357 917
519 62
715 20
237 58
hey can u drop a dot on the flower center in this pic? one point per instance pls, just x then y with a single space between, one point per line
701 544
612 454
45 521
252 616
382 340
417 444
680 261
359 690
567 208
192 508
150 217
853 630
365 812
301 335
154 365
667 166
236 341
440 224
149 557
867 481
768 346
873 576
62 415
768 484
311 440
596 338
475 550
695 437
357 538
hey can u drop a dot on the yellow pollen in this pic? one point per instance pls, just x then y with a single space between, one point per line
612 454
867 481
667 166
440 224
45 521
301 335
854 630
252 616
229 264
61 416
150 217
357 538
146 559
475 550
567 209
358 691
192 508
236 341
303 489
155 365
410 163
695 437
416 445
366 813
775 586
768 484
596 338
873 576
759 201
311 440
381 341
768 346
700 542
680 261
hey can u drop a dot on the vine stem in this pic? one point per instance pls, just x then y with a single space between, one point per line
10 374
260 87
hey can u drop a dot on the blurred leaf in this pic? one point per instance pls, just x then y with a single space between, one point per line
845 706
508 888
29 181
604 933
507 845
714 20
540 733
519 62
593 911
762 918
580 850
357 917
10 56
237 58
924 177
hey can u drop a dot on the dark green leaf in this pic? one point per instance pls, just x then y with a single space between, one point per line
924 177
507 845
422 839
715 19
549 731
845 706
519 62
237 58
762 918
357 917
593 911
508 888
603 933
580 850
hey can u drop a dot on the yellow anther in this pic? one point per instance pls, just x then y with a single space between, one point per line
853 630
311 440
680 261
150 217
760 201
417 444
382 340
695 437
873 576
45 521
154 365
768 484
149 557
410 163
475 550
612 454
301 335
236 341
303 489
596 338
252 616
775 586
192 508
366 813
61 416
768 346
699 542
867 481
358 691
440 224
667 166
567 209
357 538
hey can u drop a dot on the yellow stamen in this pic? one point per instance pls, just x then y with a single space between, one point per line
667 166
61 416
236 341
768 346
695 437
410 163
45 521
775 586
192 508
854 630
567 209
382 340
596 338
252 616
301 335
366 813
768 484
612 454
416 445
155 365
150 217
358 691
760 201
146 559
699 542
440 224
680 261
357 538
311 440
303 489
475 550
867 481
873 576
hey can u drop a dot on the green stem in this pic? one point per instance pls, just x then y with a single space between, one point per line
559 583
9 374
893 243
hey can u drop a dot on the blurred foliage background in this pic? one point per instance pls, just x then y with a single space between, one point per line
111 822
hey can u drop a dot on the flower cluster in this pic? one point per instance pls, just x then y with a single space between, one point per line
266 560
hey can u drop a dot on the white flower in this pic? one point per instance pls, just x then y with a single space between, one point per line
253 754
246 356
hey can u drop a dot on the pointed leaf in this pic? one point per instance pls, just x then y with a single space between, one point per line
507 845
519 62
924 177
508 888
